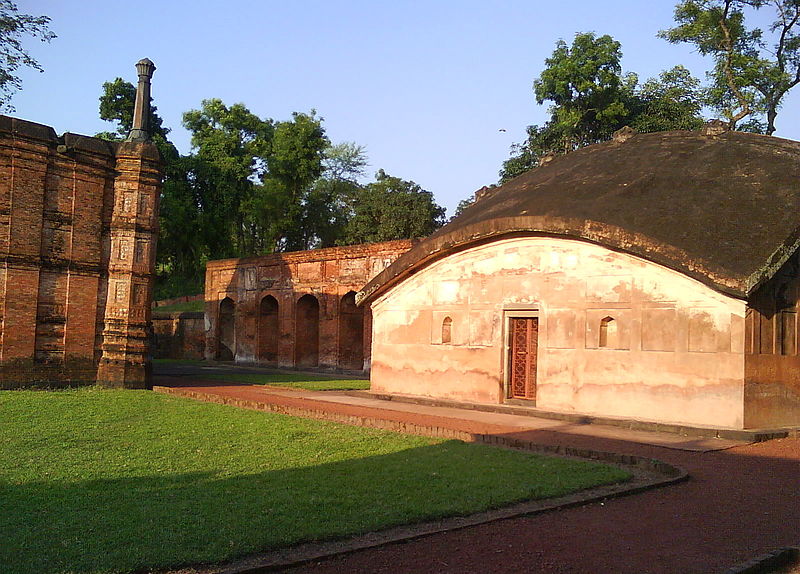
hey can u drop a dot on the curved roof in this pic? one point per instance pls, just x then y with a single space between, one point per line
723 209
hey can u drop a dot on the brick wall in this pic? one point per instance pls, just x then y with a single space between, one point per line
78 221
295 309
179 335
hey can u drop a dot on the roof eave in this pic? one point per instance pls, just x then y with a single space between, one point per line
444 243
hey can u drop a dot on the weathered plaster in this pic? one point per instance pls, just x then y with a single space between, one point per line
675 353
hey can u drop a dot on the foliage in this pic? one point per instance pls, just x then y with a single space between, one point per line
107 481
254 186
294 165
117 104
585 83
751 74
392 208
231 149
295 381
673 101
13 28
592 98
183 307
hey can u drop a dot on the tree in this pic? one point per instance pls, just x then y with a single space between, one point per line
332 196
293 166
179 259
13 28
116 105
231 147
585 83
392 208
673 101
591 99
751 75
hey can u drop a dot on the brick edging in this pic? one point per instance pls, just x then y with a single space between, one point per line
766 563
749 435
649 473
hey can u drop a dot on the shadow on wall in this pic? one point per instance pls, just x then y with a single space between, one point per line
274 321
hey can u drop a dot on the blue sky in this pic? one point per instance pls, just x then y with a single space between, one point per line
426 87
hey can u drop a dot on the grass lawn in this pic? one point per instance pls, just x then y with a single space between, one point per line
110 481
179 361
181 307
295 381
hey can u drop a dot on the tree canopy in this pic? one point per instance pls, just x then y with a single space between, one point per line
591 98
753 69
392 208
14 27
253 185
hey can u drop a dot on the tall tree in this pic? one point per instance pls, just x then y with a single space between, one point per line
591 99
179 260
293 166
13 28
585 84
673 101
231 147
392 208
751 74
331 197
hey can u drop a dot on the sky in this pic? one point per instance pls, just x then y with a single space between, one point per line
436 91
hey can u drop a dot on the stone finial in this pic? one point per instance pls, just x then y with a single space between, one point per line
623 134
715 127
141 112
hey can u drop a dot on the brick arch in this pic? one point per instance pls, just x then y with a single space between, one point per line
306 334
226 341
351 333
268 329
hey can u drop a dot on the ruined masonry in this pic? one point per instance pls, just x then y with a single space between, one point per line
78 225
295 309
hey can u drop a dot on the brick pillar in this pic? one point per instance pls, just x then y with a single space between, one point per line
129 234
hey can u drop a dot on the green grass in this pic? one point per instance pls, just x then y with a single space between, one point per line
178 361
295 381
98 481
181 307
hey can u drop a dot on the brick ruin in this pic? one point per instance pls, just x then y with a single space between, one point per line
78 224
295 309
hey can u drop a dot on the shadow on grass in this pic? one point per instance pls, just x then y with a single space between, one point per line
172 519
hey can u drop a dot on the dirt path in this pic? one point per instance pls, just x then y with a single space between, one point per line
739 503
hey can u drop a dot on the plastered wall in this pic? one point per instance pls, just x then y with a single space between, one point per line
676 353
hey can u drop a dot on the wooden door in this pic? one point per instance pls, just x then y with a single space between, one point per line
524 343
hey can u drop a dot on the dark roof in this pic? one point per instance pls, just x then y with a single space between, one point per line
723 209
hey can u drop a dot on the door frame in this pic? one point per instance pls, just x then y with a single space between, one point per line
527 313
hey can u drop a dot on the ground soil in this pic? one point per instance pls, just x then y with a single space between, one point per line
739 503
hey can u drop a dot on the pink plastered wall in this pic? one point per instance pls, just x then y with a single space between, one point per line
675 353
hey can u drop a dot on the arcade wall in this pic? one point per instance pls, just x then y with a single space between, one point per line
295 309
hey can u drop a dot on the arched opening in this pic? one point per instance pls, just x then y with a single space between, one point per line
608 333
447 330
306 334
268 329
226 343
351 333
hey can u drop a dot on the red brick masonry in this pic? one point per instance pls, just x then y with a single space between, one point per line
78 221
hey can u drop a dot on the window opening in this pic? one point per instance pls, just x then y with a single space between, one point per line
608 333
447 330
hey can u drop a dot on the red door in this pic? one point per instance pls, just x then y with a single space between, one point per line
524 342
